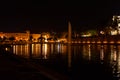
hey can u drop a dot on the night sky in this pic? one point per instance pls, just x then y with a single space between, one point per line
54 15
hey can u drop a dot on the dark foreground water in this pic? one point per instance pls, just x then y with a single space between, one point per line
88 61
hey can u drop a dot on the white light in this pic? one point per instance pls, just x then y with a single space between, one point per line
101 32
6 49
46 40
114 32
87 35
1 36
118 24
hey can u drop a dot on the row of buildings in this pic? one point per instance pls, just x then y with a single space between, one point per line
25 36
113 29
30 37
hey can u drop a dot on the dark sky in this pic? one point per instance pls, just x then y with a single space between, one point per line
54 15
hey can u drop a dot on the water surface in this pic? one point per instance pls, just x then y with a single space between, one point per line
75 60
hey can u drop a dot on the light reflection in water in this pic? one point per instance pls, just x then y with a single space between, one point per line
20 50
115 55
14 49
118 66
35 50
87 52
111 53
52 47
17 51
118 56
44 51
102 53
69 55
40 51
63 49
118 62
58 48
33 47
26 50
115 60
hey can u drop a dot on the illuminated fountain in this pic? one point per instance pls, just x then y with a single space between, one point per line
69 44
69 32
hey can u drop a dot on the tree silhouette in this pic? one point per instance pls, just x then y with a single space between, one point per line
12 38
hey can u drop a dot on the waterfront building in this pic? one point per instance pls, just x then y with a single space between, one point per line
113 28
21 36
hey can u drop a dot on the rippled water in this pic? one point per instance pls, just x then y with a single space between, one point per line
76 60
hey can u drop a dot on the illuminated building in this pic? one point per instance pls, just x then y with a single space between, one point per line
21 36
115 25
113 28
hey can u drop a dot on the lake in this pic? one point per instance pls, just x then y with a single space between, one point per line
78 61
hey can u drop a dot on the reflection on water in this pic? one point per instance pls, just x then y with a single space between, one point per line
41 51
102 53
87 51
105 54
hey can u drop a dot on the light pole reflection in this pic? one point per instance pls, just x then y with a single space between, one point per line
89 52
102 53
45 54
44 51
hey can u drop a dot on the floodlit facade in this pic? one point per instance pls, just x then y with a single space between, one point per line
116 23
20 36
114 28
